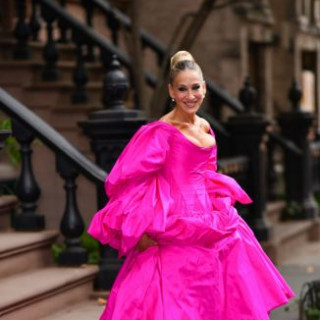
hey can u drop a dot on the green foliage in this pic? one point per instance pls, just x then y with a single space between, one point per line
293 211
56 249
11 144
89 243
312 314
92 246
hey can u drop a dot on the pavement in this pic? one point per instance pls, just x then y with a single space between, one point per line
303 266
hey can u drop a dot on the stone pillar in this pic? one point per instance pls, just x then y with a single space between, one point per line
296 126
248 131
109 131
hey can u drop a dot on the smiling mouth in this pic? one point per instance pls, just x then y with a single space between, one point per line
190 105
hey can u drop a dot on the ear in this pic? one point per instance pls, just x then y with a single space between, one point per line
170 89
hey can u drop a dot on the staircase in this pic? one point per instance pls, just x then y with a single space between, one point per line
288 237
31 286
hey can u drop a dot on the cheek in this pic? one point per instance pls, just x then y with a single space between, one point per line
199 94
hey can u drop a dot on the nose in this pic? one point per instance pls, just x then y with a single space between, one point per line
190 94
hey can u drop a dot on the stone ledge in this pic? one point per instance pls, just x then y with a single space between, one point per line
36 290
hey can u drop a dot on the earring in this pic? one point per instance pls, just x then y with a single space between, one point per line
173 100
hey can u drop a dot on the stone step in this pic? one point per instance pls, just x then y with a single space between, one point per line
30 71
84 310
66 50
37 293
273 210
22 251
55 94
8 203
288 236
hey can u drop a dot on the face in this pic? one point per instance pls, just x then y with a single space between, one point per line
188 90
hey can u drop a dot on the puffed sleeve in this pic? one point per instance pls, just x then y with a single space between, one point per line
220 185
139 197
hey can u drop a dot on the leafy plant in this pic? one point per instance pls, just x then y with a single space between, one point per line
89 243
293 211
312 314
11 144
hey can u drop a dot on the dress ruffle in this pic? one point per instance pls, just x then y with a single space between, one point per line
139 198
139 207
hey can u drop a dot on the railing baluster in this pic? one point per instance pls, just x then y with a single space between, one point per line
50 53
21 32
89 7
114 26
72 225
272 178
34 23
28 191
63 26
80 74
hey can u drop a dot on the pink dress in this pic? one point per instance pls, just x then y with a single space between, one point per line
208 264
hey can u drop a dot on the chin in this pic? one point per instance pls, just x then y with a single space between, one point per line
191 110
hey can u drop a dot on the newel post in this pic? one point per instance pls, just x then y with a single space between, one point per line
248 131
109 130
296 126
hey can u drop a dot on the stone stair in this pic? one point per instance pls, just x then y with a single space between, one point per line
288 237
31 286
85 310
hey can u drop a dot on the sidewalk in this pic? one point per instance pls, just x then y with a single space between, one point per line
304 266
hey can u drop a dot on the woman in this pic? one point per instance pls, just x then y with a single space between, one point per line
189 255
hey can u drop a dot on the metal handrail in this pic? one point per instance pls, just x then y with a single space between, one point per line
50 137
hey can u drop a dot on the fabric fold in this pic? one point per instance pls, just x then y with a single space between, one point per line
139 197
220 185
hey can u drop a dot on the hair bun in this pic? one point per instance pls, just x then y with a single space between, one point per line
180 56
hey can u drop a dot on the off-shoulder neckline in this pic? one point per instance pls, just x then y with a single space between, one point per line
184 136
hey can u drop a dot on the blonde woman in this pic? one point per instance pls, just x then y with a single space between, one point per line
189 255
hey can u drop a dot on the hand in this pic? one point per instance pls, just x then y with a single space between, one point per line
145 242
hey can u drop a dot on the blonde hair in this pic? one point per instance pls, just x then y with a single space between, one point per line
180 61
180 56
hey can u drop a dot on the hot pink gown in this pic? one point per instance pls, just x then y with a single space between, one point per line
208 264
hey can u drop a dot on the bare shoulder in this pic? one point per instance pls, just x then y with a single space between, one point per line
166 117
204 124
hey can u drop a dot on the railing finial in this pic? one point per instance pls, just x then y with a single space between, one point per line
115 86
295 94
248 95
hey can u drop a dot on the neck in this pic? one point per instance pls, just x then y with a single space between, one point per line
181 116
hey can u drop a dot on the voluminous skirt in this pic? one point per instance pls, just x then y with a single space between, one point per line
208 264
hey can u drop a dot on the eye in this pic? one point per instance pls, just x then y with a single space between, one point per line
182 89
196 87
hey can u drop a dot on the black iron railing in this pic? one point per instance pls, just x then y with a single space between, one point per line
26 126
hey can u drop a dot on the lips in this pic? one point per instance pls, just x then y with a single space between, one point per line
191 105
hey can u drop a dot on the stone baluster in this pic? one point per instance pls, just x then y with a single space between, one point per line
27 189
72 225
